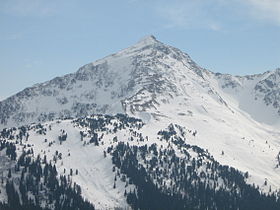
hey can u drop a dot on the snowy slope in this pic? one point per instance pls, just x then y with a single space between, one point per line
86 156
76 154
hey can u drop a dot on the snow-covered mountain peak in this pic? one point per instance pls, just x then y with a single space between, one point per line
147 40
149 78
136 79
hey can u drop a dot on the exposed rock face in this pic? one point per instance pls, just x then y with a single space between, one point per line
268 89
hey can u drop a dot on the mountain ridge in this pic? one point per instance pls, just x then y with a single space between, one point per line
129 56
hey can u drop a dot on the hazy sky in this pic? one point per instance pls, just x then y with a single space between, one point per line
41 39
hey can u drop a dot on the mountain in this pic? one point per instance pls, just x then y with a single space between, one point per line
133 80
138 80
165 106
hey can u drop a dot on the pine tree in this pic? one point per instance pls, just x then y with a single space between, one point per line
9 173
